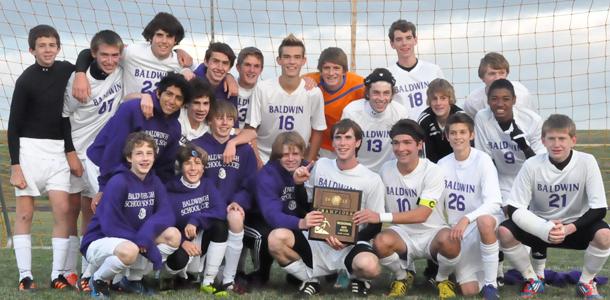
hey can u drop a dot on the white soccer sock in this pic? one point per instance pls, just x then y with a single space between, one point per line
23 254
392 262
446 266
84 268
234 246
538 265
166 250
194 266
520 259
299 270
111 266
489 255
595 259
73 255
60 253
501 269
215 254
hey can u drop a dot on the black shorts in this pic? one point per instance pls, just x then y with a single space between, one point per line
579 240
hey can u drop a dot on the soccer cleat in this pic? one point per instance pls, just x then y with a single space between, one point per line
60 283
500 281
360 287
446 289
400 288
100 289
27 284
83 284
490 292
309 288
72 279
532 287
131 286
588 290
208 289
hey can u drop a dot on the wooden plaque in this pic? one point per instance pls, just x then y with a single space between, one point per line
338 207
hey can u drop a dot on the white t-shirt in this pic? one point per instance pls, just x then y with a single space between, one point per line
187 133
471 187
87 119
505 153
143 70
402 192
243 101
411 86
375 149
477 100
272 111
555 194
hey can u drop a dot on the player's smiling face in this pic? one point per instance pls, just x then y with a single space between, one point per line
380 95
162 44
459 137
249 71
406 149
198 109
332 75
404 43
440 104
558 143
107 57
45 50
492 75
291 158
291 60
501 102
171 100
192 169
218 66
141 159
221 126
345 145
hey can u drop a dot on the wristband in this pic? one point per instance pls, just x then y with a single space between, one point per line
386 217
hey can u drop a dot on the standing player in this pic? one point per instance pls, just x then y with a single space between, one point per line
218 60
41 151
87 119
412 75
193 116
494 66
558 200
250 62
473 201
283 104
414 187
339 87
132 220
308 259
376 114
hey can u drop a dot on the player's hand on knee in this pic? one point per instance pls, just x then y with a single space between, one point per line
96 200
312 219
76 167
457 232
302 174
17 179
184 59
190 231
191 249
81 90
309 83
557 233
366 216
231 86
234 207
335 243
146 104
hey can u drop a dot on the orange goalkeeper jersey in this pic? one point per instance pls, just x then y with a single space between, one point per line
334 101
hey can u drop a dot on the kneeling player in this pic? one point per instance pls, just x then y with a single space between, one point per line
413 188
473 200
131 220
558 200
308 259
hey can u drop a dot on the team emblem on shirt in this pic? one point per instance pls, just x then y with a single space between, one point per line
142 214
222 174
292 205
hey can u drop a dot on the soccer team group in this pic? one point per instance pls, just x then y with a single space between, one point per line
177 170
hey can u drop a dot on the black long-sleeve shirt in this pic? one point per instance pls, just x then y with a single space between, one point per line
37 104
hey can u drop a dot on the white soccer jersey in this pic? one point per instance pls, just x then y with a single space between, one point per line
402 192
187 133
471 187
243 101
272 111
143 70
477 100
507 156
325 173
87 119
411 86
554 194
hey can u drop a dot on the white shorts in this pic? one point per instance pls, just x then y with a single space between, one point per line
418 245
44 165
100 249
82 184
92 172
470 266
325 259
